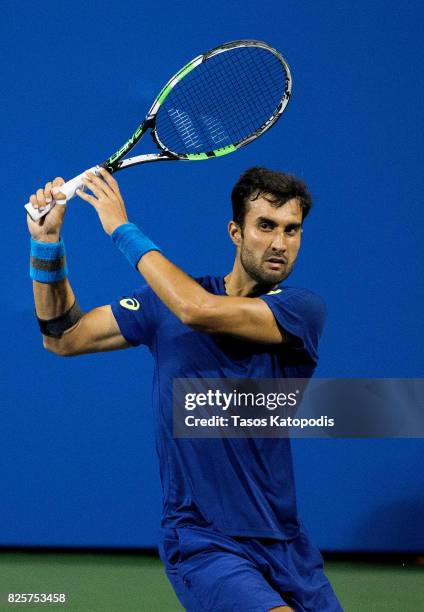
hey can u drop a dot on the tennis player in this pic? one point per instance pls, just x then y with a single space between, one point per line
231 537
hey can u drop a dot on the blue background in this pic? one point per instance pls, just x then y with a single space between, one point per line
78 466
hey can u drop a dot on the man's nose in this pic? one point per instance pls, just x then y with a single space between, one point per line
279 243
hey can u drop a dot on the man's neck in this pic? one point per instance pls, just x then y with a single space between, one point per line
239 283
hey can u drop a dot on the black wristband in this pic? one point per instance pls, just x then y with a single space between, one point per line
55 327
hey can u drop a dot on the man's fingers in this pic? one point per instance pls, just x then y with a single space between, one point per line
57 194
48 192
41 200
42 197
109 180
96 185
85 196
100 180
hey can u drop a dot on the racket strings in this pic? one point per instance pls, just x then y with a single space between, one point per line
254 73
268 92
225 100
242 120
238 94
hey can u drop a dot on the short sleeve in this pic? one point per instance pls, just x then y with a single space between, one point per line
301 313
136 316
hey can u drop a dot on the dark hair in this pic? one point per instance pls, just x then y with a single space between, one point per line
276 187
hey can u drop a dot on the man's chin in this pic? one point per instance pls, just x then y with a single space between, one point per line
266 274
273 277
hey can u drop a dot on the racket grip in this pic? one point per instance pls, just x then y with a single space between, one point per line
68 189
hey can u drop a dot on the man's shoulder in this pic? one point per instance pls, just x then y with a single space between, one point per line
297 302
145 295
290 292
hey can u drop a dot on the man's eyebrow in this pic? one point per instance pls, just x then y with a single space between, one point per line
266 220
292 225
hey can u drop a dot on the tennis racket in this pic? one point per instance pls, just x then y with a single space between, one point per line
220 101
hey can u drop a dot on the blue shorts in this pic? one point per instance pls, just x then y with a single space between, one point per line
212 572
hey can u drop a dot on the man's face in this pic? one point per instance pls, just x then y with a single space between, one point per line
270 240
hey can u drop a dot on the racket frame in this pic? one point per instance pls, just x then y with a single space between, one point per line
115 162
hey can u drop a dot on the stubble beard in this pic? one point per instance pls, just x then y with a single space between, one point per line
255 269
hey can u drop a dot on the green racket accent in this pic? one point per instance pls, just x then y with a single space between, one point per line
195 156
216 152
164 93
180 75
224 150
185 70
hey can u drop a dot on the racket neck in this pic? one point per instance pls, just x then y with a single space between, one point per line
113 163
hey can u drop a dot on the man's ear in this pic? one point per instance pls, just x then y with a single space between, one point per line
235 233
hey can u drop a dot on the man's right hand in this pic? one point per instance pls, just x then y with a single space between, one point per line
47 229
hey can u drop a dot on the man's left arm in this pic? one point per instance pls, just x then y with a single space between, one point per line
247 318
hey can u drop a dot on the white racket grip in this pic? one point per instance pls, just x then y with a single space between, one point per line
68 189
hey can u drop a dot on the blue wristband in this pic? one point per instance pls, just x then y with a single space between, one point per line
131 241
48 261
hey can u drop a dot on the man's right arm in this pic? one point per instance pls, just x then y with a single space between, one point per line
96 330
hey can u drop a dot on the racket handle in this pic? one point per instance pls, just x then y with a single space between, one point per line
68 189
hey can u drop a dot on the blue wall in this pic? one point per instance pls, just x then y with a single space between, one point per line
78 466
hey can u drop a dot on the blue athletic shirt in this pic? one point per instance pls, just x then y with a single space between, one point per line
240 487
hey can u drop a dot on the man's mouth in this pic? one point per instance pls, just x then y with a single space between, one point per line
277 261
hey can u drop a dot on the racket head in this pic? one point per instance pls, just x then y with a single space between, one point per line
221 100
218 102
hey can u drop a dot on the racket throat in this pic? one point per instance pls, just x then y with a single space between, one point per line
113 163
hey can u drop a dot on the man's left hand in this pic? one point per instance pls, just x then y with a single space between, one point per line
106 198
